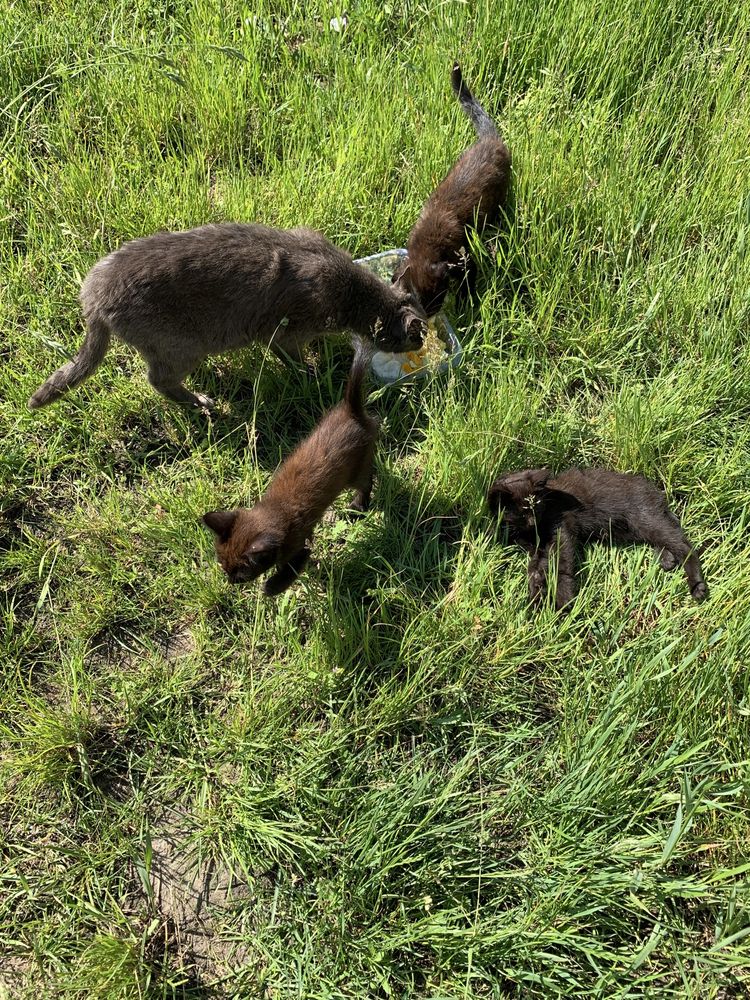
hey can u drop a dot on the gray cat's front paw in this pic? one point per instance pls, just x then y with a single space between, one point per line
204 402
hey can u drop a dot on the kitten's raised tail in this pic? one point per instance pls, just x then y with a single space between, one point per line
482 122
354 393
88 359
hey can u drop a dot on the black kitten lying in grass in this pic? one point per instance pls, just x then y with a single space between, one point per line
542 512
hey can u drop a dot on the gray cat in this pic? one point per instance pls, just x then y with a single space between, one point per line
179 297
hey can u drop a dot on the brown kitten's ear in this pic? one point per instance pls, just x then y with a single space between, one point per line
262 545
220 522
261 554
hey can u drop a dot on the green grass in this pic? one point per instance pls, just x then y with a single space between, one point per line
423 790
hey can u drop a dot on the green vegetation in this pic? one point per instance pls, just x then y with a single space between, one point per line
421 789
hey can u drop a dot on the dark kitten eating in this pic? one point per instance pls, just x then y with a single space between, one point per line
179 297
337 455
542 512
470 195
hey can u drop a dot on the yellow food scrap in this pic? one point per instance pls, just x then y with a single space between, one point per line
430 355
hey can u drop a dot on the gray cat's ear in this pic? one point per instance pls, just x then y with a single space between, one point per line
220 522
401 274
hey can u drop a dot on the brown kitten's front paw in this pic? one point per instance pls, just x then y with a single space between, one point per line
699 591
359 505
278 583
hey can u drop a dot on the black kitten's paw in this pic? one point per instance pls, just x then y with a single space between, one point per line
564 597
699 591
536 589
667 560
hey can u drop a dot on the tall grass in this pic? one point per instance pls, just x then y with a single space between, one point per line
425 789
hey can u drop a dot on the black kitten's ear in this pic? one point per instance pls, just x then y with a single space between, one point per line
514 488
415 326
220 522
556 502
538 477
498 496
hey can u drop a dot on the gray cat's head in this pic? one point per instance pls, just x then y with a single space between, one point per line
404 328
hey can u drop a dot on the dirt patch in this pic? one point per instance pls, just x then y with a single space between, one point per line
199 898
18 977
121 644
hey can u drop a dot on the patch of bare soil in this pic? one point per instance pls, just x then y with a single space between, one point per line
17 977
123 646
199 899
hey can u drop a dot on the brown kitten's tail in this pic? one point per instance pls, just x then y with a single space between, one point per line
87 360
482 122
354 393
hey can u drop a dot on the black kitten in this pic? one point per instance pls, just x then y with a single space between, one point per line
583 505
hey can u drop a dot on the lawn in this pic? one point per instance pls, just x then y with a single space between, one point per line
395 780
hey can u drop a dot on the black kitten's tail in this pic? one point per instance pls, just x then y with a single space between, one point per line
480 119
87 360
354 394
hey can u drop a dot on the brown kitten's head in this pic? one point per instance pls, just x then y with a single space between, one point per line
246 544
428 281
406 329
530 509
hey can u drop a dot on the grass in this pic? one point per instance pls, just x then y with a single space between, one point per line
421 789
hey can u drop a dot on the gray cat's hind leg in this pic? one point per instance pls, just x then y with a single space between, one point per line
168 382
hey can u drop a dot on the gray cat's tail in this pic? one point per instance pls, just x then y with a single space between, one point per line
471 106
354 393
88 359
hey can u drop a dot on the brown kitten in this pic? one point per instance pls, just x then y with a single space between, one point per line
337 455
179 297
471 195
580 505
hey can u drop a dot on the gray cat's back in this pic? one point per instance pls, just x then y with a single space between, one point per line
216 272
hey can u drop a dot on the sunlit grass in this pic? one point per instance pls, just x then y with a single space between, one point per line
426 789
